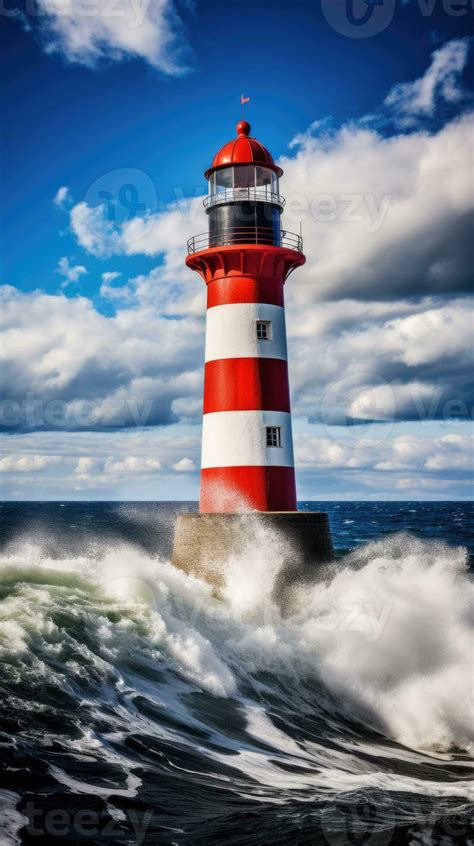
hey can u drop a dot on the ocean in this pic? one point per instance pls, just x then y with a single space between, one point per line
138 708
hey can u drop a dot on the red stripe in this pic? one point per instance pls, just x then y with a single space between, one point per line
246 384
227 489
244 289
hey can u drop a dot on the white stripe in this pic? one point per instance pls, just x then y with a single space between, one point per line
238 438
231 331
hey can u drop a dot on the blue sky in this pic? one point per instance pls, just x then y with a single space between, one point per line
94 102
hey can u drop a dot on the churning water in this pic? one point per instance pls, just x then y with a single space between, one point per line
136 707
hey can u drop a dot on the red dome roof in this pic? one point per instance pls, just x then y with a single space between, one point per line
243 150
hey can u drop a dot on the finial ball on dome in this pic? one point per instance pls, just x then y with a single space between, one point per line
243 127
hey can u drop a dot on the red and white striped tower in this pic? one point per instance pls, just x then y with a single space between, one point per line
245 258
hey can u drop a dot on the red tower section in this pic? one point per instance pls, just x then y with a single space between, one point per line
244 258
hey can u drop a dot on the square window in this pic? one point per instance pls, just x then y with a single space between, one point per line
273 436
264 330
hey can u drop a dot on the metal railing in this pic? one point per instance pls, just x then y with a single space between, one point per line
258 194
245 235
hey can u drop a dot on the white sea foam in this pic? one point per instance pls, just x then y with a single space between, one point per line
129 584
389 633
130 791
11 820
403 639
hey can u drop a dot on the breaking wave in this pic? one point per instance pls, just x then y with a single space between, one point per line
116 668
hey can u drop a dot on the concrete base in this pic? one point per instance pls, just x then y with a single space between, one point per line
297 540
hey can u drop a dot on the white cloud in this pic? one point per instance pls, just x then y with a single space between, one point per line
164 233
77 463
381 361
428 455
441 82
132 464
184 465
65 365
426 464
180 293
62 196
94 232
88 33
25 463
85 468
382 216
110 276
117 293
71 273
456 452
93 470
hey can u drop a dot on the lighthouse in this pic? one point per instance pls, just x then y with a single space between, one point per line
247 462
244 259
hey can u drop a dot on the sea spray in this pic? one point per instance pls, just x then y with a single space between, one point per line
388 630
131 690
394 625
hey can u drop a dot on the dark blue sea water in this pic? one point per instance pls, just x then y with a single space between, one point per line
138 707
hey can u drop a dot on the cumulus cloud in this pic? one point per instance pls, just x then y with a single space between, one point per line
85 468
65 365
70 273
62 196
427 464
132 464
89 33
383 216
181 293
94 232
109 291
184 465
110 276
442 83
97 463
402 360
164 232
449 452
25 463
408 466
404 452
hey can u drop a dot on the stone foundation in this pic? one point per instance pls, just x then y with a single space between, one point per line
299 540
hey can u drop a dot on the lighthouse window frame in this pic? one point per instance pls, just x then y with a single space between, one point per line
244 176
222 181
264 330
273 436
260 179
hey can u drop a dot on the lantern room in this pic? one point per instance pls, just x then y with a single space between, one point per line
243 203
252 181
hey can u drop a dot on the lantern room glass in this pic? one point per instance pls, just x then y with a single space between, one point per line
262 180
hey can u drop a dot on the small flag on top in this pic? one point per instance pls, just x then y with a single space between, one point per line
244 99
